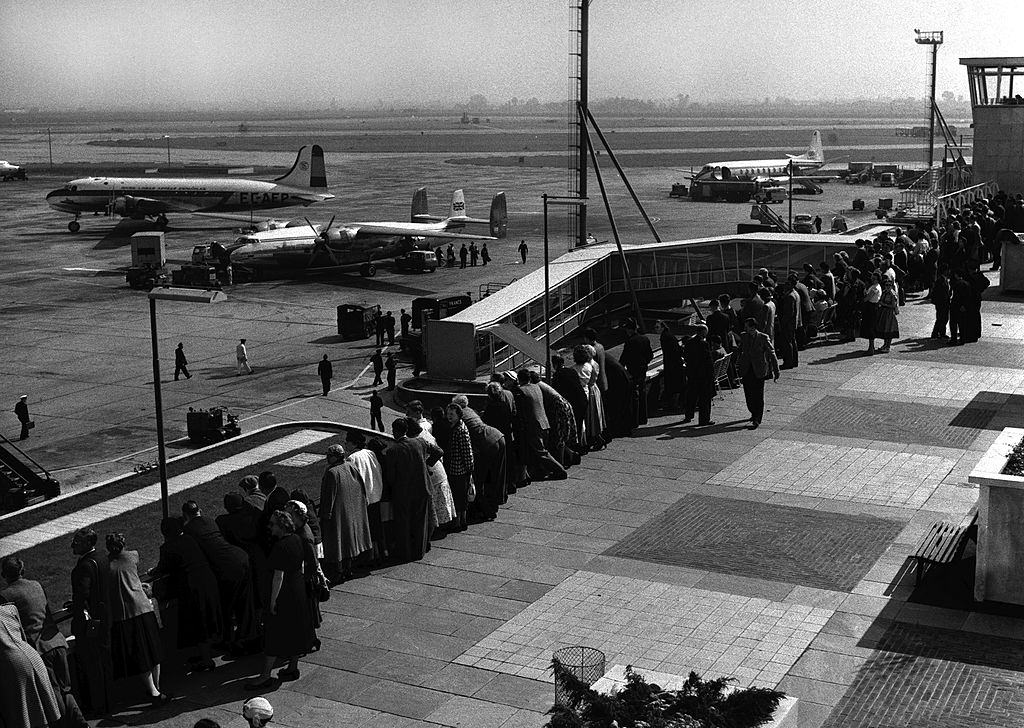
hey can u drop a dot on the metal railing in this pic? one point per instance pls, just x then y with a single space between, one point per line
505 358
26 456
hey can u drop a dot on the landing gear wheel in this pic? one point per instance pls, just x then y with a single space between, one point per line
368 270
74 226
161 221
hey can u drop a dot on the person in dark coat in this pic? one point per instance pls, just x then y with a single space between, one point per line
463 254
378 367
500 413
325 371
405 319
190 580
567 383
391 365
21 410
636 357
673 372
230 564
619 400
389 327
34 611
490 460
27 697
180 362
406 486
240 524
700 377
485 255
289 632
788 325
378 326
90 624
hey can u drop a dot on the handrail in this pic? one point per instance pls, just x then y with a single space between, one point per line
28 457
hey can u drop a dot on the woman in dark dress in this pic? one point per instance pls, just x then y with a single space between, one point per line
135 644
869 311
310 563
288 625
190 580
440 428
888 327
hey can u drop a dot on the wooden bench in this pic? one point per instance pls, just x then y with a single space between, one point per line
944 543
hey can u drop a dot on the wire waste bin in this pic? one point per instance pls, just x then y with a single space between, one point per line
585 663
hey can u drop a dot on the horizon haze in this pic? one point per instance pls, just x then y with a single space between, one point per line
366 54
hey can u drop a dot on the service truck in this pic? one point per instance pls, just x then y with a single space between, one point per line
149 261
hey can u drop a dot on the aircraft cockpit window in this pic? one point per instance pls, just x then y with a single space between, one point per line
74 188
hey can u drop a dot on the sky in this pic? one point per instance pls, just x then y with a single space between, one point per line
218 53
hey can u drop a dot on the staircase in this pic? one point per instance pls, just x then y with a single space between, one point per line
23 481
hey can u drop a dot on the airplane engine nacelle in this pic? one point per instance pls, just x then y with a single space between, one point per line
134 207
340 237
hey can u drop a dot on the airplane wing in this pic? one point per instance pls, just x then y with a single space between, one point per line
409 229
435 218
127 204
259 223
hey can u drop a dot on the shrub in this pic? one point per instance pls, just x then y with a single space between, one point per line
697 704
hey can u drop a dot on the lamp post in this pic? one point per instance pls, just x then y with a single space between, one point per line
191 295
790 195
168 149
551 200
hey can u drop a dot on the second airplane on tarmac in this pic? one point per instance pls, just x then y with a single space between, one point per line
156 197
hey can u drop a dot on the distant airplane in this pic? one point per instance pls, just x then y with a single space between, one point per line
142 197
358 245
766 169
10 171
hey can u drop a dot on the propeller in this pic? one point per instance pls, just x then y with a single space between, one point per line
321 243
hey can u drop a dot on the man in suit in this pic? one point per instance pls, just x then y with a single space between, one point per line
230 564
636 356
90 624
788 324
405 485
700 377
567 383
756 363
325 371
21 410
530 405
180 362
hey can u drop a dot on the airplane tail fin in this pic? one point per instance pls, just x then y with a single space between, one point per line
815 151
308 171
458 208
419 205
499 216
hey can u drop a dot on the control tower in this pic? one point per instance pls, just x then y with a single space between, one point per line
997 101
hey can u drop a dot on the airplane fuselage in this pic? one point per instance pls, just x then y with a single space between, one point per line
168 195
757 168
292 248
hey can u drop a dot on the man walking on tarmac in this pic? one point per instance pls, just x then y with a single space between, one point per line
473 253
21 410
463 254
325 370
242 359
378 367
485 256
390 364
376 407
180 362
523 250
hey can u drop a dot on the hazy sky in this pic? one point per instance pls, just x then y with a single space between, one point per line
214 52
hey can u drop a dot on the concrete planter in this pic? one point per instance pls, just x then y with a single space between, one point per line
785 716
999 573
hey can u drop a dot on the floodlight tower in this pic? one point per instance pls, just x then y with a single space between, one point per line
934 39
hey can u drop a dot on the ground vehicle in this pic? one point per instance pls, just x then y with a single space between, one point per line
803 224
771 194
887 179
149 261
417 261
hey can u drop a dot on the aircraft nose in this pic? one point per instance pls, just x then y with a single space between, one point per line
55 199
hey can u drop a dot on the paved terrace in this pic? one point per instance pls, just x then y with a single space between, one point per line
776 556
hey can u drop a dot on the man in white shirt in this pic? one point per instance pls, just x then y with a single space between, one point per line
368 467
242 359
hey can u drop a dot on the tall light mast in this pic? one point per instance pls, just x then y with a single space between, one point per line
934 39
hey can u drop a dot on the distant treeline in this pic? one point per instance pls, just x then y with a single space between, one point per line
479 105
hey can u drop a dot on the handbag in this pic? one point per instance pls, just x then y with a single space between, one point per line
471 493
324 593
30 424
